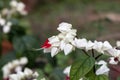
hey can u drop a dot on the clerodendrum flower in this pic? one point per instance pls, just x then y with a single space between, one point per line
103 68
62 41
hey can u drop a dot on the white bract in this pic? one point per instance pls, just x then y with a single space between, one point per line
118 43
67 71
103 68
7 27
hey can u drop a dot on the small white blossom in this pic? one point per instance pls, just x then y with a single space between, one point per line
81 43
113 61
103 68
67 71
118 43
98 46
7 27
64 27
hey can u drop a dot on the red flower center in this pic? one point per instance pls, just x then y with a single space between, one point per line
116 59
46 44
67 78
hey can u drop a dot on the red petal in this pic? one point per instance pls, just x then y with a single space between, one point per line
67 78
46 44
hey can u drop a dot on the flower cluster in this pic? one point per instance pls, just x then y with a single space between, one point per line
27 74
13 67
61 42
14 70
67 41
7 13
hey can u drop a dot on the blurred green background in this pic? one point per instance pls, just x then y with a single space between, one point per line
94 19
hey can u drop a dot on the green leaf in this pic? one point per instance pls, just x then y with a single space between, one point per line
57 74
92 76
81 67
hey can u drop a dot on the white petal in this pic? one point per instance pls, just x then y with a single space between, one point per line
53 39
112 61
98 46
2 21
21 75
23 60
114 52
15 63
6 29
35 74
13 3
64 27
18 69
61 36
20 6
89 45
54 51
81 43
68 48
102 70
13 77
106 45
47 50
28 71
101 62
118 43
67 70
62 45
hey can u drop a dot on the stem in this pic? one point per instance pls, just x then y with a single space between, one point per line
93 55
98 56
86 53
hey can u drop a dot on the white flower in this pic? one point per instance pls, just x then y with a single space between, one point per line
18 68
106 45
13 3
20 75
118 43
103 68
7 27
62 42
23 61
13 77
89 45
64 27
80 43
68 48
113 60
28 72
67 71
115 56
2 22
54 51
21 8
98 46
